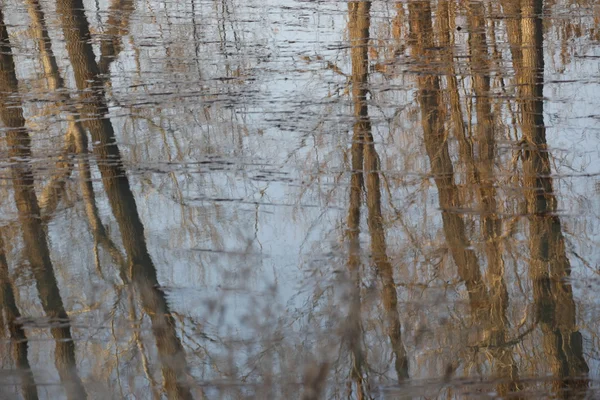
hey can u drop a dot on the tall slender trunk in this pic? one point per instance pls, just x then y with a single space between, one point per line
142 271
354 327
359 24
18 338
34 234
436 146
504 365
76 138
54 190
446 41
353 232
549 268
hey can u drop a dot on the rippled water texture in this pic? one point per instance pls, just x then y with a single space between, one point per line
294 199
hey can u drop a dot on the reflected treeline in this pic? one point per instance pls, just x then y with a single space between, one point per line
35 241
474 84
448 117
89 113
549 265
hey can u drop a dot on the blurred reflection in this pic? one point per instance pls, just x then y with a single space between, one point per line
485 183
365 173
436 145
210 251
549 268
141 271
118 26
18 338
357 11
34 234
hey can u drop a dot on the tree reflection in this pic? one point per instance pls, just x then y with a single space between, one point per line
471 262
18 338
436 145
549 268
141 270
34 235
365 173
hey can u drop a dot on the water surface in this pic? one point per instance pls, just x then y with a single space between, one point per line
299 199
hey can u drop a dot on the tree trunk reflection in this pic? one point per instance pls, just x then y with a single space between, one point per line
142 272
118 26
436 146
34 234
484 183
358 27
549 267
354 331
18 338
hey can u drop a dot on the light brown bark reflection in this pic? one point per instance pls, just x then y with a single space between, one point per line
447 43
34 235
76 140
488 308
358 26
354 330
497 323
18 339
380 257
54 190
142 271
118 26
549 268
511 10
436 146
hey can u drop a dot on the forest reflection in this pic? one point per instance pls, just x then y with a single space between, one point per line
163 236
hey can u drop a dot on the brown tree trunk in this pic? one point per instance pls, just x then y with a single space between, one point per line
142 271
18 339
54 190
354 333
504 366
358 26
34 235
549 268
118 26
436 146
